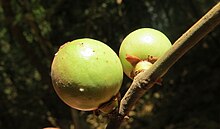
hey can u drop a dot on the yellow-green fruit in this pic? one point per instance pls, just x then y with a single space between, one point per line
86 73
142 43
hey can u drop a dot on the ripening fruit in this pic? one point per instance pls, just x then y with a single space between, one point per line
143 46
86 73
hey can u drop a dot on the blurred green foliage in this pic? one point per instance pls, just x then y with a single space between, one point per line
32 30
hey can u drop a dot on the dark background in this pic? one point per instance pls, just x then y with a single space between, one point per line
31 31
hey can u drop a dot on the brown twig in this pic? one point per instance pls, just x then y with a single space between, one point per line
145 80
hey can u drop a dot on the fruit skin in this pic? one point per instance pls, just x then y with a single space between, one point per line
142 43
86 73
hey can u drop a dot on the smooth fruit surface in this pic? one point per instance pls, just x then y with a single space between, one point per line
142 43
86 73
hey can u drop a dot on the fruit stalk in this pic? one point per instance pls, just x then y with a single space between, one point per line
145 80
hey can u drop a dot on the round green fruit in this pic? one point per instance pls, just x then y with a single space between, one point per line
86 73
141 45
